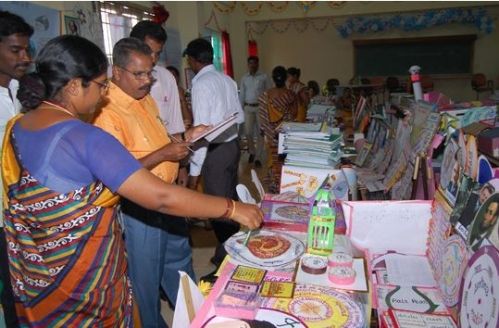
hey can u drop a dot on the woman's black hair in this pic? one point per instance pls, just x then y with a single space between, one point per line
279 75
63 58
173 69
294 72
314 86
331 85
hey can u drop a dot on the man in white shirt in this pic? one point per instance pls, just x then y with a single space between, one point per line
252 85
214 98
14 61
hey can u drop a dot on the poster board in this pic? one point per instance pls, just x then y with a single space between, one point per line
400 226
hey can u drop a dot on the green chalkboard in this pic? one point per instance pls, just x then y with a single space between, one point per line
435 55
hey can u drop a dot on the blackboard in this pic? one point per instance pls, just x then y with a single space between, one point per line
435 55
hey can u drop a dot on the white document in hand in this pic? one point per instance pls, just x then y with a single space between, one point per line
217 129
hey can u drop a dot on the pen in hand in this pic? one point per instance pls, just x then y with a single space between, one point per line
178 141
248 235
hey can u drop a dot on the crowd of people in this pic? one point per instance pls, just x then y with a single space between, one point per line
93 231
70 256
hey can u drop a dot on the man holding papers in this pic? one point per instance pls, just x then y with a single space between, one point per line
157 244
214 99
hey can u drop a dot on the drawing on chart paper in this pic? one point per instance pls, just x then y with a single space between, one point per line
320 307
294 213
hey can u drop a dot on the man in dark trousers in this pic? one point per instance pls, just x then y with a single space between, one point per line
214 98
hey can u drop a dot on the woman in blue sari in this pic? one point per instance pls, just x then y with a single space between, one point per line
62 178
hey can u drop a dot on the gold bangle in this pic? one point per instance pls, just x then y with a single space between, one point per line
231 216
227 210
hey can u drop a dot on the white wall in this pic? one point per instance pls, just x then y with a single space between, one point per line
320 55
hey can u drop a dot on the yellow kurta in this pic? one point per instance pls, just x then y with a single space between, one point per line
137 125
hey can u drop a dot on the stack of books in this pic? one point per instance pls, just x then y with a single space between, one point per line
311 149
317 112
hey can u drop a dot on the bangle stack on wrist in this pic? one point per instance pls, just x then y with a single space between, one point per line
230 210
231 216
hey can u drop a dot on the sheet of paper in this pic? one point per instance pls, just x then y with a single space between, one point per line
409 270
400 226
421 320
218 129
195 300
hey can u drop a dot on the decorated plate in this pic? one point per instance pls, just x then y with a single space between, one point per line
265 249
480 290
320 307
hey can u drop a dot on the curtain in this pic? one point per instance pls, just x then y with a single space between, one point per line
117 22
216 43
252 48
227 55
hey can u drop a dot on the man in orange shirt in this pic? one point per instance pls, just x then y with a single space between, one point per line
157 244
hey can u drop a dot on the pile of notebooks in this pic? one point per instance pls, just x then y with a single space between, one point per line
311 149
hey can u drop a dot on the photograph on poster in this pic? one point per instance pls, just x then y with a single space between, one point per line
484 226
72 25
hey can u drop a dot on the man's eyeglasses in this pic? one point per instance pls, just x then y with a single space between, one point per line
490 212
104 86
140 75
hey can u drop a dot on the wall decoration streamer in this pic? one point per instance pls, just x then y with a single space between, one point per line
282 26
321 29
415 21
301 25
306 5
213 17
478 17
225 7
251 11
278 6
337 4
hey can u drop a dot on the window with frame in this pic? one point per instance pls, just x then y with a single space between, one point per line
117 22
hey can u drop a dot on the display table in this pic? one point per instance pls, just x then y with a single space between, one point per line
416 274
311 305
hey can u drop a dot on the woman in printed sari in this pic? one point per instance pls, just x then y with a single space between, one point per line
63 177
301 92
277 104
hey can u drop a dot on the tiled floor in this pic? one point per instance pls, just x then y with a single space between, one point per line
204 240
